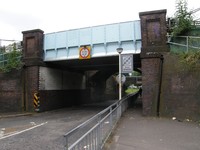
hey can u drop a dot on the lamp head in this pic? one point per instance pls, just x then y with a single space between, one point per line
119 50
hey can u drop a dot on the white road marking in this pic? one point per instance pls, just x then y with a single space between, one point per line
107 122
16 133
1 133
33 123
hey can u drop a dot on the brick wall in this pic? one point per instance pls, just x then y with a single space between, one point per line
153 32
32 58
180 96
54 99
31 85
11 91
150 84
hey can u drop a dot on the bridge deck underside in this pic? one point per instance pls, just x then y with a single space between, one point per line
101 63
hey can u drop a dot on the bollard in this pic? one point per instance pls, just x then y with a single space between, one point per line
36 101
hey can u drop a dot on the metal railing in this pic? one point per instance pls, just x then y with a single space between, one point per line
4 58
92 134
186 42
197 23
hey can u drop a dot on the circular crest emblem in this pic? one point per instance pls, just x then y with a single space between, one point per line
84 52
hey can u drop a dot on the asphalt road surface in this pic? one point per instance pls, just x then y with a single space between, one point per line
42 131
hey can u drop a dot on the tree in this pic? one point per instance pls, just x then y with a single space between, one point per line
2 49
12 60
183 18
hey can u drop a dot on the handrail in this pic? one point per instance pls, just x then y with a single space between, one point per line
98 128
82 125
92 118
95 116
186 42
89 120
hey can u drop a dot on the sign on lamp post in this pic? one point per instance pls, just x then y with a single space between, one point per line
127 63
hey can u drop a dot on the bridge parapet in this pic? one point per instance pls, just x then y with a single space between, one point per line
103 40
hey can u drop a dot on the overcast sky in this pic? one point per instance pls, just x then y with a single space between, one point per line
56 15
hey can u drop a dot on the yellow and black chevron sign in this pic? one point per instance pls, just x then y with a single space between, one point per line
36 101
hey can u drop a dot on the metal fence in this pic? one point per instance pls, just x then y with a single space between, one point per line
184 43
92 134
197 23
4 58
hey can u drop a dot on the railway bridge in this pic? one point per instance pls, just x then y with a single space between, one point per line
78 66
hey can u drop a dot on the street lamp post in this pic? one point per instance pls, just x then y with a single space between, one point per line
119 50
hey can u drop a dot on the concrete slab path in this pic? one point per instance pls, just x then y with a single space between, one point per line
136 132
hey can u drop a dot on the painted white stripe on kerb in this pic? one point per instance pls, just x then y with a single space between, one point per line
16 133
2 132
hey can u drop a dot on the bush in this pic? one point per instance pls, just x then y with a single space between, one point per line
13 61
132 89
191 58
183 18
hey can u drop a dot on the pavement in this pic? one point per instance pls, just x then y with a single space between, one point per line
15 114
136 132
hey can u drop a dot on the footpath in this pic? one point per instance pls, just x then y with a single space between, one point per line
136 132
14 114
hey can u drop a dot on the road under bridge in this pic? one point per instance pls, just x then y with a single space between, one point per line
79 66
43 131
64 76
76 67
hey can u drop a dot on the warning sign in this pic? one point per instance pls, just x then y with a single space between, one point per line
123 79
84 52
36 101
127 63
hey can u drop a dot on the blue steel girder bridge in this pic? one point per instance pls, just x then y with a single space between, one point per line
54 70
78 66
63 48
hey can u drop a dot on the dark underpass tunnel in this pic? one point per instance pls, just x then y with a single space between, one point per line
133 84
60 88
104 86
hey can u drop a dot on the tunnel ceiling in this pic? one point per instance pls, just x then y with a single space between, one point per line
98 63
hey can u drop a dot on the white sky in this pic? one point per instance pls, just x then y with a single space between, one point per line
56 15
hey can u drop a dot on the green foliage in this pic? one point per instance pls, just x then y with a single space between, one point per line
131 90
2 49
190 59
183 18
135 73
13 61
